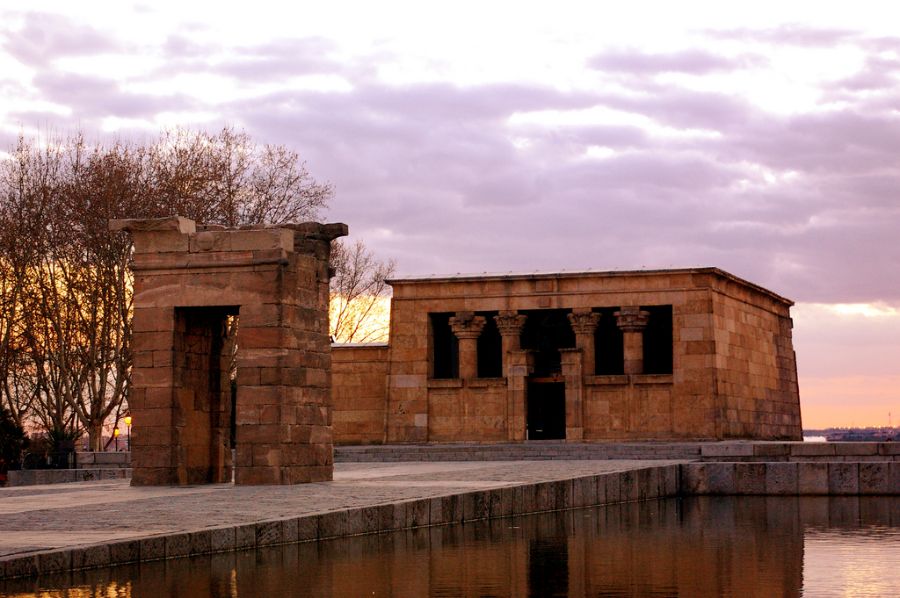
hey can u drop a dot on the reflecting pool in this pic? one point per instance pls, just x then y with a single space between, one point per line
700 546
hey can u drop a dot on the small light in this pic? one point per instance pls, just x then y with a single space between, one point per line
116 432
127 420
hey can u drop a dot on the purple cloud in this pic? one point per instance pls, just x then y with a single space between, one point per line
789 34
45 36
693 61
436 176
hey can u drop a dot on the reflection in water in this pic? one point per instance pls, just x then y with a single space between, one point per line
548 566
703 546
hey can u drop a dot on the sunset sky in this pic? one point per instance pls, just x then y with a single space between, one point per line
762 138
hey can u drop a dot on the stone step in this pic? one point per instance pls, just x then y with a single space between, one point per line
736 451
36 477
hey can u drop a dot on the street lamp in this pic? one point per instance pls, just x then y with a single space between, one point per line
128 439
116 436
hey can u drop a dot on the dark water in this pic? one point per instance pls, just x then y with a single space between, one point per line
704 546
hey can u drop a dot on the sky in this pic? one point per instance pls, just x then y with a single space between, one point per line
762 138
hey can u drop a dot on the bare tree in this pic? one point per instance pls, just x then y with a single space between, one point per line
359 294
228 179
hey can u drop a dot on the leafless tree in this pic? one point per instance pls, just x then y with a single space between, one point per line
359 294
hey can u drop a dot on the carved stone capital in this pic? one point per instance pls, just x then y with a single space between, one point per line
632 319
466 324
584 322
510 323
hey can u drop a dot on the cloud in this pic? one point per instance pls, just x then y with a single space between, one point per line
804 204
46 36
449 177
879 74
282 58
795 34
93 98
634 62
685 108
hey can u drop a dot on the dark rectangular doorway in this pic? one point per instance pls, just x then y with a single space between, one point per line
546 410
201 363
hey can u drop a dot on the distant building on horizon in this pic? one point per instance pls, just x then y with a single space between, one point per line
639 355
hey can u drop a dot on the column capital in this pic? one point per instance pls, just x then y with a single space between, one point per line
510 323
466 324
632 319
584 322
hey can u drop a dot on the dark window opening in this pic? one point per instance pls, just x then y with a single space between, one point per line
490 347
546 331
609 349
444 347
658 340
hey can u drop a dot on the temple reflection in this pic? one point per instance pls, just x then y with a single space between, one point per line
746 546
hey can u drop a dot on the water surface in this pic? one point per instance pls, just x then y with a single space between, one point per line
699 546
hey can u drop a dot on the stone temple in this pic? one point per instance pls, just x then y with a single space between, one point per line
645 355
694 354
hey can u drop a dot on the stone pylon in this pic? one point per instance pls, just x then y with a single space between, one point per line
190 281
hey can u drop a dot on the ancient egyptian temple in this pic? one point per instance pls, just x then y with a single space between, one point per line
232 357
644 355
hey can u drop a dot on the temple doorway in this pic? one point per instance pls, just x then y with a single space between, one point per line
202 358
546 415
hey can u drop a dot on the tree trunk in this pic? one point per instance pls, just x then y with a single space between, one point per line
95 436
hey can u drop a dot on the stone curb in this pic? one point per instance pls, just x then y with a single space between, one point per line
33 477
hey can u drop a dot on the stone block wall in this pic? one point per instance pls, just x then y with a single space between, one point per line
477 414
756 368
359 375
645 408
792 478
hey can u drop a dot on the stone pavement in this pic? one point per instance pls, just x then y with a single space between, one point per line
42 518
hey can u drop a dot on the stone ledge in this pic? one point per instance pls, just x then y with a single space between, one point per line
34 477
445 383
486 382
606 380
834 478
640 379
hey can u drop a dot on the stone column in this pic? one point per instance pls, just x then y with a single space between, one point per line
572 373
632 321
521 365
584 323
467 327
510 324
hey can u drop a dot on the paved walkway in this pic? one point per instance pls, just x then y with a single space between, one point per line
34 518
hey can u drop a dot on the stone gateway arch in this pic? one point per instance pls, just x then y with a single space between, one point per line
189 282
